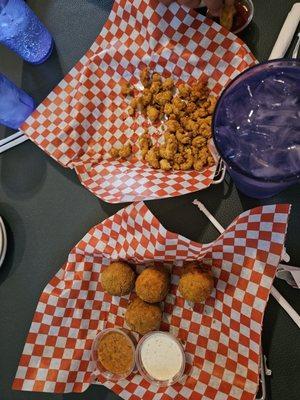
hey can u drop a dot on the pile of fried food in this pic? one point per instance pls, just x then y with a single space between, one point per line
185 113
152 286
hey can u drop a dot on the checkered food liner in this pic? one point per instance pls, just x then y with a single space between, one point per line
221 337
85 115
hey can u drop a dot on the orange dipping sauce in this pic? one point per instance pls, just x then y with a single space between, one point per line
115 353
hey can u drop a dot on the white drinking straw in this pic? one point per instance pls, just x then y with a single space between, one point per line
287 33
12 141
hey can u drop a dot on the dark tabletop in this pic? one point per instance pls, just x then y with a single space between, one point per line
46 211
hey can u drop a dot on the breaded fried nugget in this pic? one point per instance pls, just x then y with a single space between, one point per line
183 137
199 113
152 157
196 284
146 97
191 107
178 158
145 144
126 89
131 111
199 142
143 317
203 158
205 130
199 91
155 87
152 113
165 164
184 90
189 160
212 101
152 285
199 164
189 125
134 103
172 125
118 278
169 148
168 84
163 98
178 105
168 109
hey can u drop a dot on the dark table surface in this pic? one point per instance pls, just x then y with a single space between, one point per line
47 211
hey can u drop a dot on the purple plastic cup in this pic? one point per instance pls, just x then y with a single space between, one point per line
15 104
256 128
23 32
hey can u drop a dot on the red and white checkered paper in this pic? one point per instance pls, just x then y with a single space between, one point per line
85 115
221 337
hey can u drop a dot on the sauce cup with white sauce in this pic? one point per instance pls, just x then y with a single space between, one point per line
160 358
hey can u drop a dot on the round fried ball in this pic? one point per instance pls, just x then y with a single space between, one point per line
196 284
152 285
118 278
143 317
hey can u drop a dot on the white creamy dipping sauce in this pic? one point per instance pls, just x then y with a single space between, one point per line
161 356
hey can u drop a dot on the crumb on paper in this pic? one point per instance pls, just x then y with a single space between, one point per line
156 77
114 152
131 111
123 152
145 77
126 89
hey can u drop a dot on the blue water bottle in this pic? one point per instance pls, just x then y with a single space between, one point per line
23 32
15 104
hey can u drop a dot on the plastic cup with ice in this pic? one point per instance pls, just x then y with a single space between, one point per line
15 104
257 128
23 32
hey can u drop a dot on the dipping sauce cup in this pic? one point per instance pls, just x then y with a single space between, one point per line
244 12
113 353
244 15
256 128
160 358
